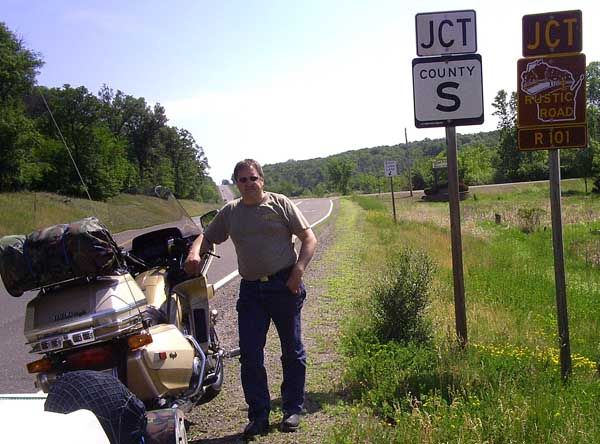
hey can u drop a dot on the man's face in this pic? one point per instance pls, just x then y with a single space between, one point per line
250 184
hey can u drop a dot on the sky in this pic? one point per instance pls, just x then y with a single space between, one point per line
272 80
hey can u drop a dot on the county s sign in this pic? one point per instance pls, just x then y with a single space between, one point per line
448 91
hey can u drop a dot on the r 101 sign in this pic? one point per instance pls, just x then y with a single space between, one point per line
444 33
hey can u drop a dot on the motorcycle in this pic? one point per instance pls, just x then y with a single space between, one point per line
147 324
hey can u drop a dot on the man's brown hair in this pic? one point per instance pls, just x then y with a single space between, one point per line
247 163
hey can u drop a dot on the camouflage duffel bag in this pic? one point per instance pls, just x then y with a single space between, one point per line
55 254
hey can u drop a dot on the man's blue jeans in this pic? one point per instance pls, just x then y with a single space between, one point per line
258 304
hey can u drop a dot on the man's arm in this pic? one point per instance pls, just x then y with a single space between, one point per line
192 263
307 250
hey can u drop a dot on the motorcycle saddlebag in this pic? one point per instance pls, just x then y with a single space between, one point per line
55 254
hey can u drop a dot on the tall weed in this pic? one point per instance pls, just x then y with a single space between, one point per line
400 297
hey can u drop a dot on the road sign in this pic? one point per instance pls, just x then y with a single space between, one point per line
552 33
444 33
390 168
448 91
572 136
551 106
439 164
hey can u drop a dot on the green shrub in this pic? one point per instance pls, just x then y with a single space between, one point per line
529 218
400 298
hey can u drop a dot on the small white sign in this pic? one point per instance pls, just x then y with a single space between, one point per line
445 33
448 91
390 168
439 164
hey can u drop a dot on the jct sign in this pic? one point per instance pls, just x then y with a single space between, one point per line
443 33
551 102
552 33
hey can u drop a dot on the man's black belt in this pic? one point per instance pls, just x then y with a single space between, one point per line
283 273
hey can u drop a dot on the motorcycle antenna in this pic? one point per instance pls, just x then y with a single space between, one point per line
66 146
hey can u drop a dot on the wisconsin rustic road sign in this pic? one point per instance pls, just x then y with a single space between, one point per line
551 102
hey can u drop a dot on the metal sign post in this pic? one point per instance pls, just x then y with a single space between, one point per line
448 91
391 169
393 199
457 262
410 188
551 114
559 266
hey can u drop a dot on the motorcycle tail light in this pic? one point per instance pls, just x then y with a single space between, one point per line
40 366
137 341
95 358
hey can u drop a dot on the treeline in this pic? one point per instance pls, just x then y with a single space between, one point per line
117 142
483 158
362 170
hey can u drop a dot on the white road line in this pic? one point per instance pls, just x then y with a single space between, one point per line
236 273
226 279
326 216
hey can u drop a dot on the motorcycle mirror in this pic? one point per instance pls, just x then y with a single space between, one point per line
207 218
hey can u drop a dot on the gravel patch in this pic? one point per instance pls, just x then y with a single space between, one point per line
223 419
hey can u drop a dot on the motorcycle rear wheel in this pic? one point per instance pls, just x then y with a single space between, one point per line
121 413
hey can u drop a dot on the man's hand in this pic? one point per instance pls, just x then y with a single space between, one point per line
192 263
307 249
295 279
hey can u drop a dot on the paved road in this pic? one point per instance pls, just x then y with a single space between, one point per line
226 193
14 353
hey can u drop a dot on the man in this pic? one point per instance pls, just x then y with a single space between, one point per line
261 225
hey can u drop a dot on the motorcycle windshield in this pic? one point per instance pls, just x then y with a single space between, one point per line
130 215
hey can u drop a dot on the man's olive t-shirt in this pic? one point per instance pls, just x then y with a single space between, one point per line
261 234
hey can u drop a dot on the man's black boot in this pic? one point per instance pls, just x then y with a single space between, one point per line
256 427
290 423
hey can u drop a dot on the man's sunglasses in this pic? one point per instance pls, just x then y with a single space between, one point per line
246 179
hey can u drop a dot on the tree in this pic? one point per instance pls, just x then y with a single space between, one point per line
133 119
19 66
589 159
187 160
339 171
17 140
98 154
475 164
593 84
509 158
18 69
593 99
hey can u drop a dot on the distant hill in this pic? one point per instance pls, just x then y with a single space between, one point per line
297 177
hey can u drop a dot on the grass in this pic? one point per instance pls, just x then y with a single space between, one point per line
505 386
26 211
